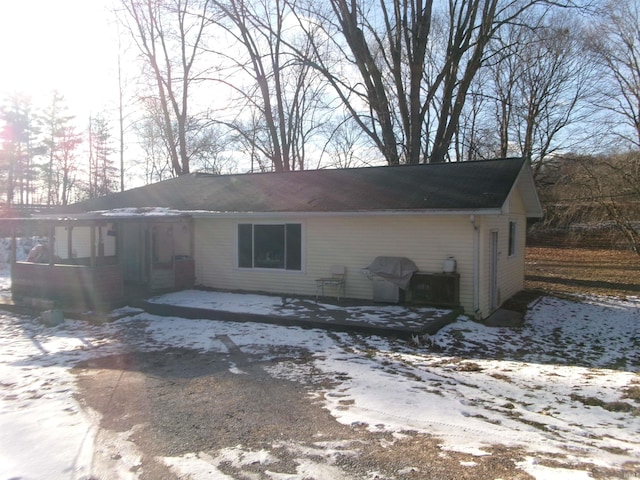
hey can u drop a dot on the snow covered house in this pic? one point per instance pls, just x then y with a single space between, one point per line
461 225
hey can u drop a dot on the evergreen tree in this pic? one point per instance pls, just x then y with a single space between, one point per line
61 142
18 147
103 174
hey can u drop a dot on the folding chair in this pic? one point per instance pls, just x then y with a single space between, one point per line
336 279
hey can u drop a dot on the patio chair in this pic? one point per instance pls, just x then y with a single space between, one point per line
335 280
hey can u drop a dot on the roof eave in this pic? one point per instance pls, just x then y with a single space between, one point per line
359 213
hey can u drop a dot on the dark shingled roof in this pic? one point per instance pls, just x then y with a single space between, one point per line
446 186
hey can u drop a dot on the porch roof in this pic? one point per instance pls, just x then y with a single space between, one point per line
98 217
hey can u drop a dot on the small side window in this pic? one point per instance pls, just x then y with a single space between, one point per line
513 226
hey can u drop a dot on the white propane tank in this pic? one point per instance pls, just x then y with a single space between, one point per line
449 265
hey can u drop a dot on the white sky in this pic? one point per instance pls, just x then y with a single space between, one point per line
68 45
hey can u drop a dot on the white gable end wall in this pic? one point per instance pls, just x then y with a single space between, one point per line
510 274
349 240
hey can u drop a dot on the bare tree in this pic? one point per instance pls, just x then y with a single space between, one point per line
169 36
538 86
388 59
209 144
615 42
599 191
346 145
156 164
618 190
279 98
412 63
67 162
476 138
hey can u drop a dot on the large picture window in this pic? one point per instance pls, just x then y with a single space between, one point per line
270 246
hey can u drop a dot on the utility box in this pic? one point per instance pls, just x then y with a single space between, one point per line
437 289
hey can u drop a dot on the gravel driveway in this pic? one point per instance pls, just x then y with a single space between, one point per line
148 397
172 402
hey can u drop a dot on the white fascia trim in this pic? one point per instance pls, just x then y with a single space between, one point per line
529 194
377 213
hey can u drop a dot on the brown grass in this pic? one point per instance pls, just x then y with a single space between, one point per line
577 271
582 271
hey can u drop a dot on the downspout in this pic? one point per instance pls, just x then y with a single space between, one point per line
476 267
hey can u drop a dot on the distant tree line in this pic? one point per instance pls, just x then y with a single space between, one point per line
592 201
278 85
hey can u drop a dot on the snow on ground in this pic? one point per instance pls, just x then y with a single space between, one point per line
565 387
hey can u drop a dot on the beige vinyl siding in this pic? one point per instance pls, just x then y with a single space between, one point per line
513 276
356 241
352 241
510 268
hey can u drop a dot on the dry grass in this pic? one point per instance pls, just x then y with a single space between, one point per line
582 271
577 271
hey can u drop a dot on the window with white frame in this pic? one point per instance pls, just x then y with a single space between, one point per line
513 227
277 246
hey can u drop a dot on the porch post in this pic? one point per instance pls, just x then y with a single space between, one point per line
173 249
93 244
13 257
192 240
100 242
51 242
69 241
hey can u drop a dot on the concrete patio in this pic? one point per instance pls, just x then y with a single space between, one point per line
395 320
403 321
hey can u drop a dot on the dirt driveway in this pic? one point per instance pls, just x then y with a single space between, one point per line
176 401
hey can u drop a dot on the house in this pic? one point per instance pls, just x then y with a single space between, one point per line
278 232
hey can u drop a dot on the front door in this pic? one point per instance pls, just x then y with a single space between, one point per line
132 248
162 274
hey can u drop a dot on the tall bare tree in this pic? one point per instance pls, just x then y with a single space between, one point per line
536 87
280 98
346 146
412 63
155 162
169 35
616 44
68 166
